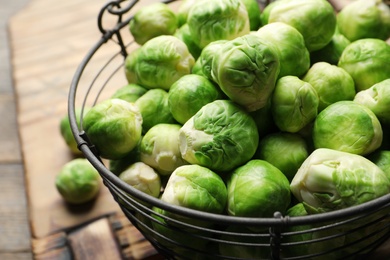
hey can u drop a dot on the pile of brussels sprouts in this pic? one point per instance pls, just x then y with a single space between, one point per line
238 110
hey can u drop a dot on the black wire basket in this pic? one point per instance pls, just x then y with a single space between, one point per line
350 233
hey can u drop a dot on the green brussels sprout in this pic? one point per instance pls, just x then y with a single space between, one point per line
211 20
119 165
364 19
294 104
254 13
285 151
196 187
246 70
381 158
331 83
189 94
142 177
377 99
184 34
367 61
160 148
294 57
257 189
314 19
331 53
129 92
78 181
206 57
159 62
182 11
329 180
349 127
220 136
66 131
114 127
154 109
151 21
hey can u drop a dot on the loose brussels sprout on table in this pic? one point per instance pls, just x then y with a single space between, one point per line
151 21
78 181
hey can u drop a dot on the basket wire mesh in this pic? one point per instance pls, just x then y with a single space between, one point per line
189 234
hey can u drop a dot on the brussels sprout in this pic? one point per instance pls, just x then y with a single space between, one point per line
349 127
114 127
331 53
206 57
182 11
211 20
220 136
196 187
254 14
330 180
142 177
377 99
294 104
367 61
293 55
257 189
246 70
78 181
189 94
285 151
331 83
152 20
66 131
314 19
154 109
129 92
364 19
159 62
381 158
160 148
184 34
119 165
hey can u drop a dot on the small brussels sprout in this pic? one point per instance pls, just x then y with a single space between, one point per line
129 92
254 13
246 70
119 165
152 20
364 19
184 34
114 127
349 127
159 62
377 99
211 20
220 136
285 151
154 109
294 104
314 19
189 94
78 181
294 57
196 187
66 131
206 57
367 61
331 53
160 148
381 158
257 189
331 83
182 11
330 180
142 177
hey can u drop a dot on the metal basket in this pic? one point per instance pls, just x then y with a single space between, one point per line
351 233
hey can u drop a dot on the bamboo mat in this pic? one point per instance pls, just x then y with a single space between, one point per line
49 40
